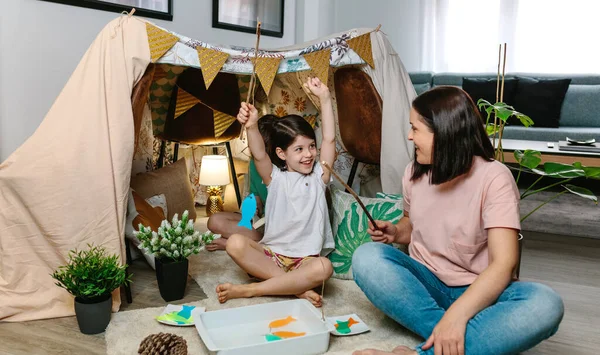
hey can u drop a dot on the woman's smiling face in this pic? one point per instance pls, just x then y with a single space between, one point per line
422 137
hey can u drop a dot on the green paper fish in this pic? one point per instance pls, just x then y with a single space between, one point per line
344 327
182 317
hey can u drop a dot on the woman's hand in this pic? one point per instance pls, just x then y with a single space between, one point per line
317 88
448 336
247 115
386 233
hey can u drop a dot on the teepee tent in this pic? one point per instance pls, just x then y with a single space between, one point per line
67 186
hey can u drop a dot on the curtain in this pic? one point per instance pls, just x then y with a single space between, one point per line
542 36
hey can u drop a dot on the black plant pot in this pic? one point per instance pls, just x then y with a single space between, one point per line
172 278
93 315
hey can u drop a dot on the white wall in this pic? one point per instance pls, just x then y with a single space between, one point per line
41 43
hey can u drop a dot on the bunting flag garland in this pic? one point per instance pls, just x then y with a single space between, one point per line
159 41
362 46
319 63
222 121
266 69
211 62
185 101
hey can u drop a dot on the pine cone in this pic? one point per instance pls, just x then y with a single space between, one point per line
163 344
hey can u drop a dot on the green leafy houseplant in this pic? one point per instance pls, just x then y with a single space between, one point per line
174 241
529 160
91 274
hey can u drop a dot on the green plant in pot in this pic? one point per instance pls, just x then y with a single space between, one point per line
171 246
91 275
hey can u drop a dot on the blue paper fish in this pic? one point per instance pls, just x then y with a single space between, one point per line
248 211
180 317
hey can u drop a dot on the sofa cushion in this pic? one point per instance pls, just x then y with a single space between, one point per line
541 100
550 134
482 88
581 107
421 88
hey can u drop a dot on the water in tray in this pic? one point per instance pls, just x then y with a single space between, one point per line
235 336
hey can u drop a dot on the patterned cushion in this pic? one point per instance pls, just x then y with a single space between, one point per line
350 223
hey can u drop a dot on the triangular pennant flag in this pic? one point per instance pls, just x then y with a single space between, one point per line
222 121
319 63
185 101
211 61
159 41
362 46
266 69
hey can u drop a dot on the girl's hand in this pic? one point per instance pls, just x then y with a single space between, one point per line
248 115
315 86
448 336
386 233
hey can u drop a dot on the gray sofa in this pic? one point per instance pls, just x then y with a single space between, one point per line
580 113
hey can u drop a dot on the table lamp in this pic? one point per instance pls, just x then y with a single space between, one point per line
214 173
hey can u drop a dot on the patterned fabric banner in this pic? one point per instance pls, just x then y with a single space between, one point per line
266 69
211 62
159 41
362 46
222 121
185 101
319 63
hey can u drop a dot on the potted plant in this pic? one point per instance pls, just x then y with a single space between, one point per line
171 246
91 276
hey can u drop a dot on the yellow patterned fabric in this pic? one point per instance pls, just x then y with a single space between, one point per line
362 46
222 121
159 41
185 101
266 69
319 63
211 62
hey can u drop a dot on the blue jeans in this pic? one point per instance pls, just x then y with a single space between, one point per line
524 314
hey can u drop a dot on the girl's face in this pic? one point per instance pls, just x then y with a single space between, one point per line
300 155
422 137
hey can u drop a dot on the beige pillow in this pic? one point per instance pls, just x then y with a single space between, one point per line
172 181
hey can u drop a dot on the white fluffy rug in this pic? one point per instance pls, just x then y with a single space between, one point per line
128 329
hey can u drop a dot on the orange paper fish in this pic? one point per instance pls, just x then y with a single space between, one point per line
281 322
350 322
285 335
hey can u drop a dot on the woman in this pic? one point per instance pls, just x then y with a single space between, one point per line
461 222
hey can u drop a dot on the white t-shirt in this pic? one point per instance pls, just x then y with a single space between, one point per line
297 220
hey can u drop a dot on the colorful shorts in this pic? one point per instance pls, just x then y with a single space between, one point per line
285 262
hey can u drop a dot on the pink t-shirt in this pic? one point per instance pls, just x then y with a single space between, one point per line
450 220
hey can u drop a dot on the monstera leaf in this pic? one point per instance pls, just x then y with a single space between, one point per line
352 232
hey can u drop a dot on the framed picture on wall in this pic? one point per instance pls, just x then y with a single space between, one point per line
241 15
160 9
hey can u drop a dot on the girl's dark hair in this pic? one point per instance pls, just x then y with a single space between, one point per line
281 133
458 133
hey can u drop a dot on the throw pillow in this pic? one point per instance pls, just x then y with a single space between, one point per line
482 88
541 100
350 223
172 181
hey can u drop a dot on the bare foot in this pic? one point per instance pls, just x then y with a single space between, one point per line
229 291
400 350
217 244
312 297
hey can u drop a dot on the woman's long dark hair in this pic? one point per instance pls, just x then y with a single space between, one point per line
458 133
281 133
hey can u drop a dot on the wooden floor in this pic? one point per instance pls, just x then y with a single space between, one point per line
568 264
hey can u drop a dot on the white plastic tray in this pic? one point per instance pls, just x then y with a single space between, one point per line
242 330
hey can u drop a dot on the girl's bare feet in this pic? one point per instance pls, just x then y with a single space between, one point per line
312 297
400 350
217 244
229 291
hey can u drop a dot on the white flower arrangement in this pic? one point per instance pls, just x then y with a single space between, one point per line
176 240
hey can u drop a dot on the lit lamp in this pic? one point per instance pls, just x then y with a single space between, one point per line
214 173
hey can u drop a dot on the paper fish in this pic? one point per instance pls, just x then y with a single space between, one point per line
271 337
344 327
285 335
248 211
184 316
282 322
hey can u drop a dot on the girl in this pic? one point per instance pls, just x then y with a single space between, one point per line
461 222
297 226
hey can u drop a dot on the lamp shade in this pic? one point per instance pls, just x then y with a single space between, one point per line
214 170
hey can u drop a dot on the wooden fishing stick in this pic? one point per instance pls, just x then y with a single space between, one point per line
253 77
324 163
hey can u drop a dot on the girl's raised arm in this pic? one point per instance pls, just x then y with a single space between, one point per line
248 115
